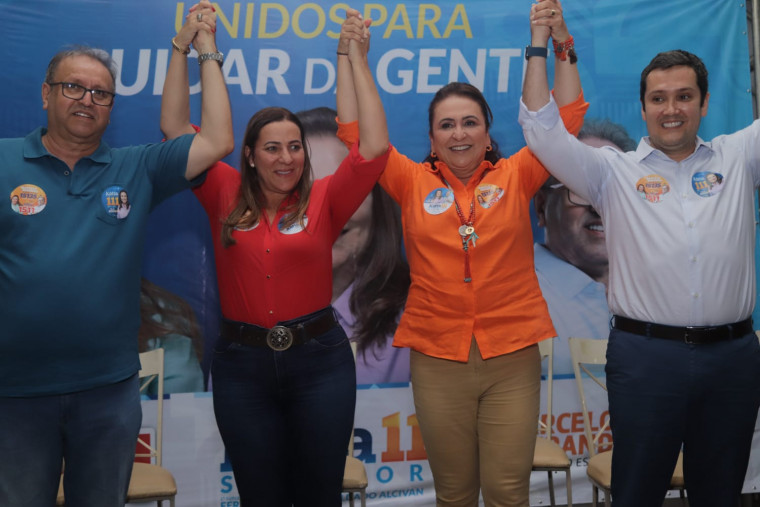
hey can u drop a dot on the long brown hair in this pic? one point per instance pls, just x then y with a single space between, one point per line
381 281
162 313
247 212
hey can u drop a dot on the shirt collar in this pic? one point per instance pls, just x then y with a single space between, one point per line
33 148
646 149
442 169
290 200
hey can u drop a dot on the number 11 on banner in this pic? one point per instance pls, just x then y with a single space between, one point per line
393 451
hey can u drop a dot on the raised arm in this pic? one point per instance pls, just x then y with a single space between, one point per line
215 139
567 81
345 97
546 19
373 127
175 98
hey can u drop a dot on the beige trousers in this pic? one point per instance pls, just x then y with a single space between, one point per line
478 422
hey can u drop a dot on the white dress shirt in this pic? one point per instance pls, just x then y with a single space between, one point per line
679 254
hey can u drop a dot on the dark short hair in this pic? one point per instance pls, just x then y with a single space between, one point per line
609 131
96 54
466 90
319 121
674 58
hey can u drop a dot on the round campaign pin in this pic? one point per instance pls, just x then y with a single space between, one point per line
28 199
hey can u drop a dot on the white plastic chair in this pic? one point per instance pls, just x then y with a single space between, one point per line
548 456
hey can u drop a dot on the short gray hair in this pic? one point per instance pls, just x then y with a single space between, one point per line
97 54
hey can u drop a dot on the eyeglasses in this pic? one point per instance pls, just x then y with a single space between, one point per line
574 198
74 91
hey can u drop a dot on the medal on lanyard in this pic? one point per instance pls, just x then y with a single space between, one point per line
466 229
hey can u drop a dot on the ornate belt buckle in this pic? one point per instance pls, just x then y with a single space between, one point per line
279 338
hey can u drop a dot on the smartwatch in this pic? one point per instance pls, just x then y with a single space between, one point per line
536 51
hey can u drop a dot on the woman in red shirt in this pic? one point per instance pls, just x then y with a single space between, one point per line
283 372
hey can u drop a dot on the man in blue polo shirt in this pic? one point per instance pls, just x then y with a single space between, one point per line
70 268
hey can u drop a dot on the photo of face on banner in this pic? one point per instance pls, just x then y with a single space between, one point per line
572 264
370 273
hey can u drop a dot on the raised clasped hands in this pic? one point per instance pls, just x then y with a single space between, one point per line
354 35
199 28
546 20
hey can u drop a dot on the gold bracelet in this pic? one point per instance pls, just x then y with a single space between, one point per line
179 49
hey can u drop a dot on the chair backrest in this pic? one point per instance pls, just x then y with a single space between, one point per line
152 370
584 352
546 349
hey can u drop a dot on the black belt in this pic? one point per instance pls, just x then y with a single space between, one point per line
688 334
283 335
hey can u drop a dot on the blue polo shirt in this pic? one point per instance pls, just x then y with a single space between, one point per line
70 260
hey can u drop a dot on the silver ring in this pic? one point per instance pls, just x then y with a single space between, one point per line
199 16
553 13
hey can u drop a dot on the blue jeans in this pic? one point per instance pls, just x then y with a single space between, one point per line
286 419
666 394
93 431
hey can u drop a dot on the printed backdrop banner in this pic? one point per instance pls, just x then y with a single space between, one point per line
283 53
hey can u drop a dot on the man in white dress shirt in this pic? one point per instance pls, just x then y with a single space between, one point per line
683 363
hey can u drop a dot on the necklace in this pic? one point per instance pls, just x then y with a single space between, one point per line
467 228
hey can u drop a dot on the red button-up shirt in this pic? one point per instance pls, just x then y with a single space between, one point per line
270 275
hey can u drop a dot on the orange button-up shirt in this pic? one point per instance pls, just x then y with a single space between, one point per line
502 305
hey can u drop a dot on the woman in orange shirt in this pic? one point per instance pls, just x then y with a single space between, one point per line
475 311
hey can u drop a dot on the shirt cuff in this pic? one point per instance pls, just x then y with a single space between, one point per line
547 117
348 132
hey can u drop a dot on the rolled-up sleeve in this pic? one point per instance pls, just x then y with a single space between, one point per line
572 162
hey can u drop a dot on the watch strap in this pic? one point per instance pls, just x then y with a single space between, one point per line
536 51
219 57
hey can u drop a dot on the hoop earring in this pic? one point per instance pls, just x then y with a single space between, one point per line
432 154
489 148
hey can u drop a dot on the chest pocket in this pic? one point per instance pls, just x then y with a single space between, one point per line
114 205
